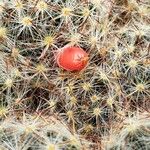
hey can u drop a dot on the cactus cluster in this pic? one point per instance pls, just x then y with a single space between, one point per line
105 106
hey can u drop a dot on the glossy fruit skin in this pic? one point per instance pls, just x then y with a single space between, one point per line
72 58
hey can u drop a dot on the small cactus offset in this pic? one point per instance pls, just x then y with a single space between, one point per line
74 75
38 132
132 133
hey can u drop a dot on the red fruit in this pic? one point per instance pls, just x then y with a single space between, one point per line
72 58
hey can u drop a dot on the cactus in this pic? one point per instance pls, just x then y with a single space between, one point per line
132 133
44 105
38 132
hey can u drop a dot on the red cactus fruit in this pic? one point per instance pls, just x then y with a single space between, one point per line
72 58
